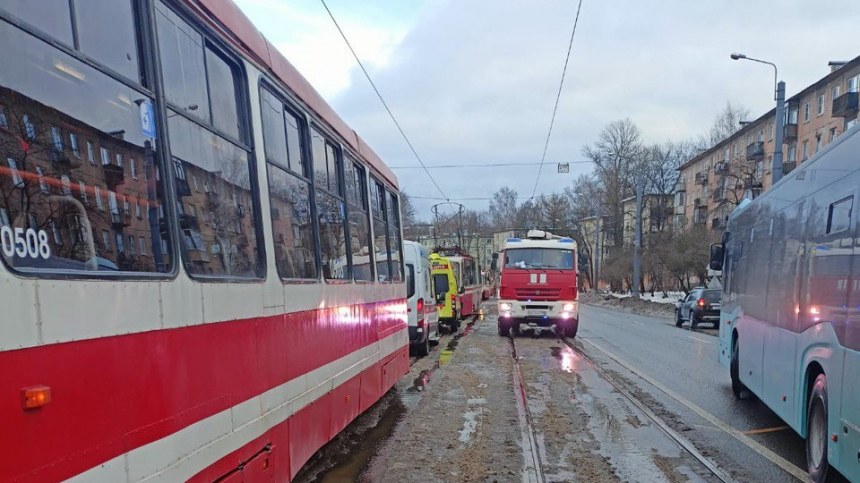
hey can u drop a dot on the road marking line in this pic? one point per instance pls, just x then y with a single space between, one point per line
637 323
698 339
766 430
774 458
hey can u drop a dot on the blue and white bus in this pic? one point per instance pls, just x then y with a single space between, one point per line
790 322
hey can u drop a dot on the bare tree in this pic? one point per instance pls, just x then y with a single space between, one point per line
503 208
726 123
617 155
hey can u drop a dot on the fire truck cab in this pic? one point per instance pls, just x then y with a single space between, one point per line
537 284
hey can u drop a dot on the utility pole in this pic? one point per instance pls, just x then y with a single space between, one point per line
778 136
596 249
637 240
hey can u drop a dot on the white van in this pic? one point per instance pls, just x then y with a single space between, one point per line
421 299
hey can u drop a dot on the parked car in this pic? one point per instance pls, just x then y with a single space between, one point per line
420 299
700 305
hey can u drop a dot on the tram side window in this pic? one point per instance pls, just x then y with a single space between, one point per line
359 223
331 209
219 236
289 191
380 231
47 97
394 236
94 21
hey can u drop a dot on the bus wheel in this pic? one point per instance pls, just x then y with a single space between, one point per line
816 431
738 388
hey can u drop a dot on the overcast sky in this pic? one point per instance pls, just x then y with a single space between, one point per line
473 82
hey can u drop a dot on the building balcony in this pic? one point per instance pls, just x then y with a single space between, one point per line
60 157
188 222
702 177
719 194
788 166
755 151
114 176
699 202
700 217
789 132
721 167
718 224
117 220
845 105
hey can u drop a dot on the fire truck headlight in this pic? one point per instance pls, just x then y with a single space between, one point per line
504 306
569 307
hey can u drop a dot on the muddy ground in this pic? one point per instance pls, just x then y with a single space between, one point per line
455 417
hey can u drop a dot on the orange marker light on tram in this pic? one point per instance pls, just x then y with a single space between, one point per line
35 397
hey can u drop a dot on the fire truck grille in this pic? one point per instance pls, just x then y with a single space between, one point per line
530 293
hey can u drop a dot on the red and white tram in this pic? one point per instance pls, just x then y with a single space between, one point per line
179 211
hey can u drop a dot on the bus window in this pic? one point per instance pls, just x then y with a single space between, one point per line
53 104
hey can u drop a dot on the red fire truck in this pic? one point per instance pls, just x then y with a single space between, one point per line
538 283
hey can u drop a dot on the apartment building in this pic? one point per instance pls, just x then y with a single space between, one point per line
656 215
712 183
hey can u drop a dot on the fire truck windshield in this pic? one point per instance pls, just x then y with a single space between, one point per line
539 258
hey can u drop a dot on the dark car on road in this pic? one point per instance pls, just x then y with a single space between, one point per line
700 305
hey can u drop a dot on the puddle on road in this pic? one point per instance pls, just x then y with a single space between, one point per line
568 359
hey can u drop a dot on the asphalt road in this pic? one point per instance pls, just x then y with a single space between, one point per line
677 371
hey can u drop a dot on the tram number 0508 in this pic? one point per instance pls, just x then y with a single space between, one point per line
29 243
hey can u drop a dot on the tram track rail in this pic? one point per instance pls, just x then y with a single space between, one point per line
533 469
686 444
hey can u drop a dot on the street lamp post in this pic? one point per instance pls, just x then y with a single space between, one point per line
779 96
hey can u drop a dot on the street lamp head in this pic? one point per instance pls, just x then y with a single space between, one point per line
736 56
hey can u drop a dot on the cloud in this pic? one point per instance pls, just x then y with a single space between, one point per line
474 82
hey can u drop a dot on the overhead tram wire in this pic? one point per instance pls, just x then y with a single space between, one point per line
378 94
557 97
491 165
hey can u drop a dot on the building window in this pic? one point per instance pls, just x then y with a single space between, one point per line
792 153
131 245
839 217
137 211
83 188
29 128
56 138
67 185
73 143
99 204
133 164
91 152
142 244
833 134
806 112
4 122
771 130
42 185
289 190
120 246
853 83
105 156
820 104
106 240
817 143
126 207
16 176
119 159
805 151
834 92
55 231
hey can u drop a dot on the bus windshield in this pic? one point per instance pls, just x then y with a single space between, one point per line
547 258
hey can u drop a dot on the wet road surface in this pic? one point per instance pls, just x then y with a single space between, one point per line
457 415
